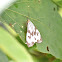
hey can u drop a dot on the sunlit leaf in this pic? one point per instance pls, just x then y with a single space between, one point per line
11 47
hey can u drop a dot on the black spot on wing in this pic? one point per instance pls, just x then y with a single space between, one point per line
28 31
29 37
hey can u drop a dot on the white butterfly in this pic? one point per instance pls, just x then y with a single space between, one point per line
33 35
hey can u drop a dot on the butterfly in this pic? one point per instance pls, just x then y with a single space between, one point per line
32 35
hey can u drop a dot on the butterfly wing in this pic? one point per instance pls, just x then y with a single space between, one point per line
33 35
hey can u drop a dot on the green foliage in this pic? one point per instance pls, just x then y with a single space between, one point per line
56 60
12 48
44 15
58 2
60 11
3 57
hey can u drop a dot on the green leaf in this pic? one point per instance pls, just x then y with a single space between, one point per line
3 57
57 60
11 61
44 15
58 2
60 11
12 48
